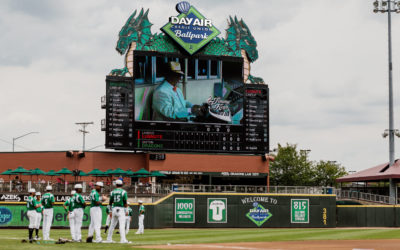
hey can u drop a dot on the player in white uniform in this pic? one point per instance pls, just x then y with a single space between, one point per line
31 205
78 207
69 209
141 218
95 213
128 218
39 212
48 203
108 221
118 201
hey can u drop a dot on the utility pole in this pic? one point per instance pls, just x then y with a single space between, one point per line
84 131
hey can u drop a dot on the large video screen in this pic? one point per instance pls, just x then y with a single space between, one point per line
206 90
187 104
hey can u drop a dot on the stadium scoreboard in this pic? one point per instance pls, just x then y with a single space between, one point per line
124 132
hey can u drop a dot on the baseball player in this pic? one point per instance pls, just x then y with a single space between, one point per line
108 212
78 207
141 218
48 203
118 202
31 206
95 213
129 213
39 213
69 209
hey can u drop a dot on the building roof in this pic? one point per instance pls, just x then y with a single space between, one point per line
380 172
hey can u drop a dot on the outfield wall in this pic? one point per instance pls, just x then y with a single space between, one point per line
368 216
209 210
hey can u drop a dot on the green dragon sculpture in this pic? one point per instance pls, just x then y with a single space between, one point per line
136 35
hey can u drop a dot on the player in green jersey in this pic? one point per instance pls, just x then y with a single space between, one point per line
67 204
78 205
48 203
31 206
141 218
69 209
118 201
39 213
129 213
95 213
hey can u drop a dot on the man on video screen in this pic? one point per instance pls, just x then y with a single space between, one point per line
168 101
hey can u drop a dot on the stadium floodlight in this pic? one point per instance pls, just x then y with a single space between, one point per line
390 6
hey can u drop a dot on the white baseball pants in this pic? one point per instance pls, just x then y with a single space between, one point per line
95 223
108 221
38 220
127 224
141 225
118 215
32 218
71 218
47 220
77 224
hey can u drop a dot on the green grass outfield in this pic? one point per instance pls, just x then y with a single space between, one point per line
11 238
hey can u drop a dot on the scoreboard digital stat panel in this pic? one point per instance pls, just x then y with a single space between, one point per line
124 132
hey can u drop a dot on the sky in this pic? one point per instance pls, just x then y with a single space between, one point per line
326 64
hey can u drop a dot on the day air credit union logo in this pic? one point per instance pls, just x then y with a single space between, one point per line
190 29
258 214
5 215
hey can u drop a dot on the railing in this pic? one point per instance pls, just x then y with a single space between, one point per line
355 195
250 189
163 189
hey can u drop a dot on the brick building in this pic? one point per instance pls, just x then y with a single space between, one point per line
179 168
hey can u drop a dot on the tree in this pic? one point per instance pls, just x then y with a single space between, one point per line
291 167
326 173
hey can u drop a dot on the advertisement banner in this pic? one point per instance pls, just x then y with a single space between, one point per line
16 216
184 210
299 210
24 197
217 210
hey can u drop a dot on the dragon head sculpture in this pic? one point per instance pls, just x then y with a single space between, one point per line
238 37
135 30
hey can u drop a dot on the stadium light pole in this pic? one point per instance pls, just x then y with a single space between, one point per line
390 6
16 138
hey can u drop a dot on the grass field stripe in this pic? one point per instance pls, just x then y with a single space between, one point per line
219 246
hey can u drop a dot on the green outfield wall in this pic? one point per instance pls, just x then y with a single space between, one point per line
209 210
368 216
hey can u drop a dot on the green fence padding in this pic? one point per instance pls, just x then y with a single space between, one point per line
211 210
